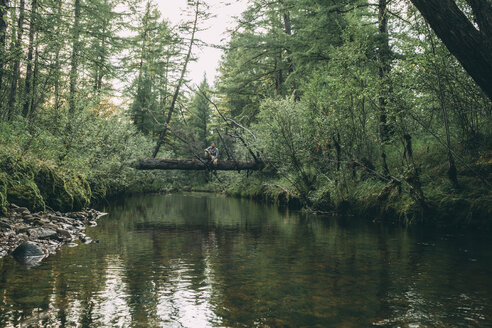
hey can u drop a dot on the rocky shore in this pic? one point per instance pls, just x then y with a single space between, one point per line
31 237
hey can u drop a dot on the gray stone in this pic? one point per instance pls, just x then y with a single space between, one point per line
5 224
64 234
86 240
41 233
20 210
27 249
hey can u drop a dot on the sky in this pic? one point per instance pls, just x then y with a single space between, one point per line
208 57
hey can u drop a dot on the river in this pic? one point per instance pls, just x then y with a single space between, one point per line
204 260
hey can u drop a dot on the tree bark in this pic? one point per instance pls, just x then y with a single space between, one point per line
34 98
195 165
75 57
162 135
29 81
59 44
3 32
472 47
15 68
288 31
384 68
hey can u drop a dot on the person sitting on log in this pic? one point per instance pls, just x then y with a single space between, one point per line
212 153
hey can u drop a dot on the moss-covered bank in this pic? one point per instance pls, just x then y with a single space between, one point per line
38 185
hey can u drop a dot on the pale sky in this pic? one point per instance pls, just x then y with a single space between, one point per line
208 58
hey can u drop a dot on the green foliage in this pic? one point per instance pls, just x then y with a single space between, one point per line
376 115
285 130
3 193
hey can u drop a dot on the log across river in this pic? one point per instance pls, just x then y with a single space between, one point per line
195 164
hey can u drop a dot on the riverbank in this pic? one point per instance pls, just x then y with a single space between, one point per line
373 199
31 237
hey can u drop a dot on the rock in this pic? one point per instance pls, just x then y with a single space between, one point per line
72 245
21 210
50 226
12 206
26 250
92 223
101 214
85 240
29 218
21 227
5 224
23 237
41 233
64 234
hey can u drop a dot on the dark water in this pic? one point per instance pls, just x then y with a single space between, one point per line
198 260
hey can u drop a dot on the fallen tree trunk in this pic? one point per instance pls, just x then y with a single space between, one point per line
194 164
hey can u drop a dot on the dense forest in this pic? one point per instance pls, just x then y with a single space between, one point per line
374 107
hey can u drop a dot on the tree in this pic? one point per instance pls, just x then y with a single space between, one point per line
16 64
198 13
29 70
471 46
153 46
75 56
3 35
200 114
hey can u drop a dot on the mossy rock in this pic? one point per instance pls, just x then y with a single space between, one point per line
52 187
61 191
25 192
80 191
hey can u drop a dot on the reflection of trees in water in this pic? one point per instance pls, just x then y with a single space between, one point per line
191 259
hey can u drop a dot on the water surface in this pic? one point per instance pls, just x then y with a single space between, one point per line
202 260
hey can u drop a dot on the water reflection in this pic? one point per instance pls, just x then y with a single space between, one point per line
195 260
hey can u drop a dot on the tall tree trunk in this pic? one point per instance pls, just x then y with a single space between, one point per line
75 57
384 68
288 31
472 47
15 67
57 57
3 33
34 99
29 81
102 58
178 86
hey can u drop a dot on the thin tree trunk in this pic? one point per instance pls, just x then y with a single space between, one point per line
178 86
452 171
472 47
102 57
15 68
3 33
75 57
57 58
383 70
288 31
29 81
34 99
